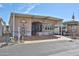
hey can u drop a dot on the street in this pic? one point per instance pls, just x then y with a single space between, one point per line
55 48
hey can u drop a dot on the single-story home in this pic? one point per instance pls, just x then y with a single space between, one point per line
29 25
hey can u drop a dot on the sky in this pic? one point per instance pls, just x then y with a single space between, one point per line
59 10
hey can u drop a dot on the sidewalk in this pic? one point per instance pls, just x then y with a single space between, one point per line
48 40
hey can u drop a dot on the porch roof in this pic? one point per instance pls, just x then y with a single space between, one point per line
71 23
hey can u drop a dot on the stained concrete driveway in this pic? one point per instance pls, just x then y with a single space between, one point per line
53 48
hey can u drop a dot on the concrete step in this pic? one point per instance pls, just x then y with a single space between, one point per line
41 37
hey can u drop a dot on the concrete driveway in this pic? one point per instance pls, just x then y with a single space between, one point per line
42 49
59 47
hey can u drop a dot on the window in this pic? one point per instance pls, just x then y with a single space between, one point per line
48 27
45 27
52 27
74 28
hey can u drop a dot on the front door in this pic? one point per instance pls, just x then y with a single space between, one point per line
36 27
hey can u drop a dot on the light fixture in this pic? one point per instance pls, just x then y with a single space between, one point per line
23 21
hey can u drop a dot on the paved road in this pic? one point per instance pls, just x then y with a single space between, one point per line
42 49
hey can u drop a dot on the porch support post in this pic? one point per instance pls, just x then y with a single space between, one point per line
19 34
61 30
13 24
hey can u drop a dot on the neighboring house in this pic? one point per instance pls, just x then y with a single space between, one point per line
72 26
29 25
2 26
6 29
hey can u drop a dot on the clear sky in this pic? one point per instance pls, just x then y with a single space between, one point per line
58 10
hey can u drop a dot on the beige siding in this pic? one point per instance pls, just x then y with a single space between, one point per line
28 24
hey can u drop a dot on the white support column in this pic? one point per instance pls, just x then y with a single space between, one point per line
61 29
66 28
19 34
13 24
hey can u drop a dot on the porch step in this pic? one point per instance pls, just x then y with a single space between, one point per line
40 37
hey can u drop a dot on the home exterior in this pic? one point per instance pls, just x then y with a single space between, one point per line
72 26
2 27
29 25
